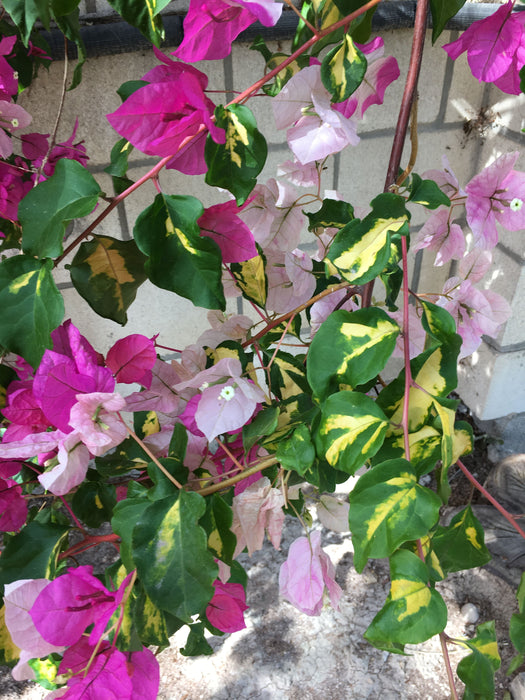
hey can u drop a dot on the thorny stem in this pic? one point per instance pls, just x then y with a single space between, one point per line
152 457
270 462
505 513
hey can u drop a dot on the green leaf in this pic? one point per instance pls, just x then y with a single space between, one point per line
387 508
522 79
461 545
343 69
196 644
163 485
171 554
125 516
264 423
297 451
350 347
361 250
144 16
477 669
179 259
149 620
46 670
64 7
124 91
33 552
520 593
126 456
93 502
235 164
333 213
7 375
107 274
287 375
217 522
24 14
351 430
120 153
427 193
442 11
31 306
517 631
425 449
70 193
251 279
435 371
413 612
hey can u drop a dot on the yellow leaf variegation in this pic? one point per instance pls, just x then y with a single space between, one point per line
351 431
387 508
343 69
413 612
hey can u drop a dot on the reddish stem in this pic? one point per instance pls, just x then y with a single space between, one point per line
88 542
406 349
69 510
409 93
505 513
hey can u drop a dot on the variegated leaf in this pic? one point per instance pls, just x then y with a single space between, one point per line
235 164
461 545
413 612
387 508
350 348
31 306
107 273
251 279
361 250
343 69
179 259
351 430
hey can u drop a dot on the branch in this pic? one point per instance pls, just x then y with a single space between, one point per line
505 513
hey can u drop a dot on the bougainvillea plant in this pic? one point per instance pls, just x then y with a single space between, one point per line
195 459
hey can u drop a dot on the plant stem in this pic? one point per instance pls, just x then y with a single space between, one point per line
152 457
301 17
409 93
450 675
505 513
119 198
88 542
406 349
277 321
69 510
307 45
270 462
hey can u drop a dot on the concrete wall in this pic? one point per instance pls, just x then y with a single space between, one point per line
492 382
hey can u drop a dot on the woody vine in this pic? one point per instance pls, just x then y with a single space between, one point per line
205 457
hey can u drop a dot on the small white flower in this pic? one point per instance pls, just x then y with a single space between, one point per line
15 123
516 204
203 386
227 393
